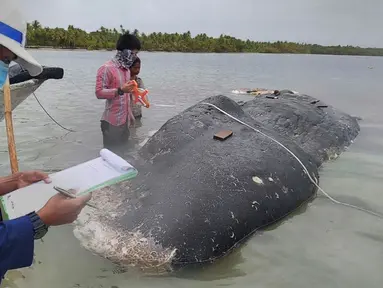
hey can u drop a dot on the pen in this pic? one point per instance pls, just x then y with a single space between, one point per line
68 194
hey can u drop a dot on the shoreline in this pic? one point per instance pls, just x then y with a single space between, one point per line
52 48
105 39
47 48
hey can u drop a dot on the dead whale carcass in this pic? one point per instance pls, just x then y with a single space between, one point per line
196 198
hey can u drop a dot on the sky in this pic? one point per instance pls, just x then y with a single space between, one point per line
326 22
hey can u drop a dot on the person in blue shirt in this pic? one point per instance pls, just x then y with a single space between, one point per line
17 235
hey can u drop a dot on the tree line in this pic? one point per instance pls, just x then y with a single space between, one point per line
104 38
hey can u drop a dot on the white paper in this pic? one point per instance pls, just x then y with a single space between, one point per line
115 161
80 177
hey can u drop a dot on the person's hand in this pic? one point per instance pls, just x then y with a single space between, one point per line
29 177
128 87
60 210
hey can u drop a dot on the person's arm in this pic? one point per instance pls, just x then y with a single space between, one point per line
140 83
8 184
103 81
16 244
19 180
17 236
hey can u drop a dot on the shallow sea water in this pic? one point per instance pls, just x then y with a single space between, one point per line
324 245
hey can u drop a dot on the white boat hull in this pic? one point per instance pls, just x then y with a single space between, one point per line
19 92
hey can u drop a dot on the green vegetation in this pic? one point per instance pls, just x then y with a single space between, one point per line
75 38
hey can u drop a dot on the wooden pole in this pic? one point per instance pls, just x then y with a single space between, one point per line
9 126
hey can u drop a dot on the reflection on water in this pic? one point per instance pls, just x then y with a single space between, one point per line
321 245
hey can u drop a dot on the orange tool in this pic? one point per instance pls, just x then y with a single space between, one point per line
140 95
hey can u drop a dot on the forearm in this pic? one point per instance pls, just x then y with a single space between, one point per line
8 184
141 84
106 93
16 244
103 90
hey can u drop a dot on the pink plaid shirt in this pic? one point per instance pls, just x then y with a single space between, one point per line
117 108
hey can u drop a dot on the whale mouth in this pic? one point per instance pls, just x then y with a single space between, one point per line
126 248
98 233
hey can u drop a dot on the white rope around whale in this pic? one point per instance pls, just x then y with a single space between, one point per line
299 161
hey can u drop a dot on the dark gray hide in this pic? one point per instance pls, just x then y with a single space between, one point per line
322 132
203 196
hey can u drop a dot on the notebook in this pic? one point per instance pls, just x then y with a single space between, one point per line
86 177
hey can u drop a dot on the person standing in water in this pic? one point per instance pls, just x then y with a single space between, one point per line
113 85
134 71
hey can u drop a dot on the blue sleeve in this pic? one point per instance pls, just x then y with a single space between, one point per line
16 244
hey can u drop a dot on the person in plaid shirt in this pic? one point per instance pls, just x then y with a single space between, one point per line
112 84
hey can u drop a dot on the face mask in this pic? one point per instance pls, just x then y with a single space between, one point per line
3 73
